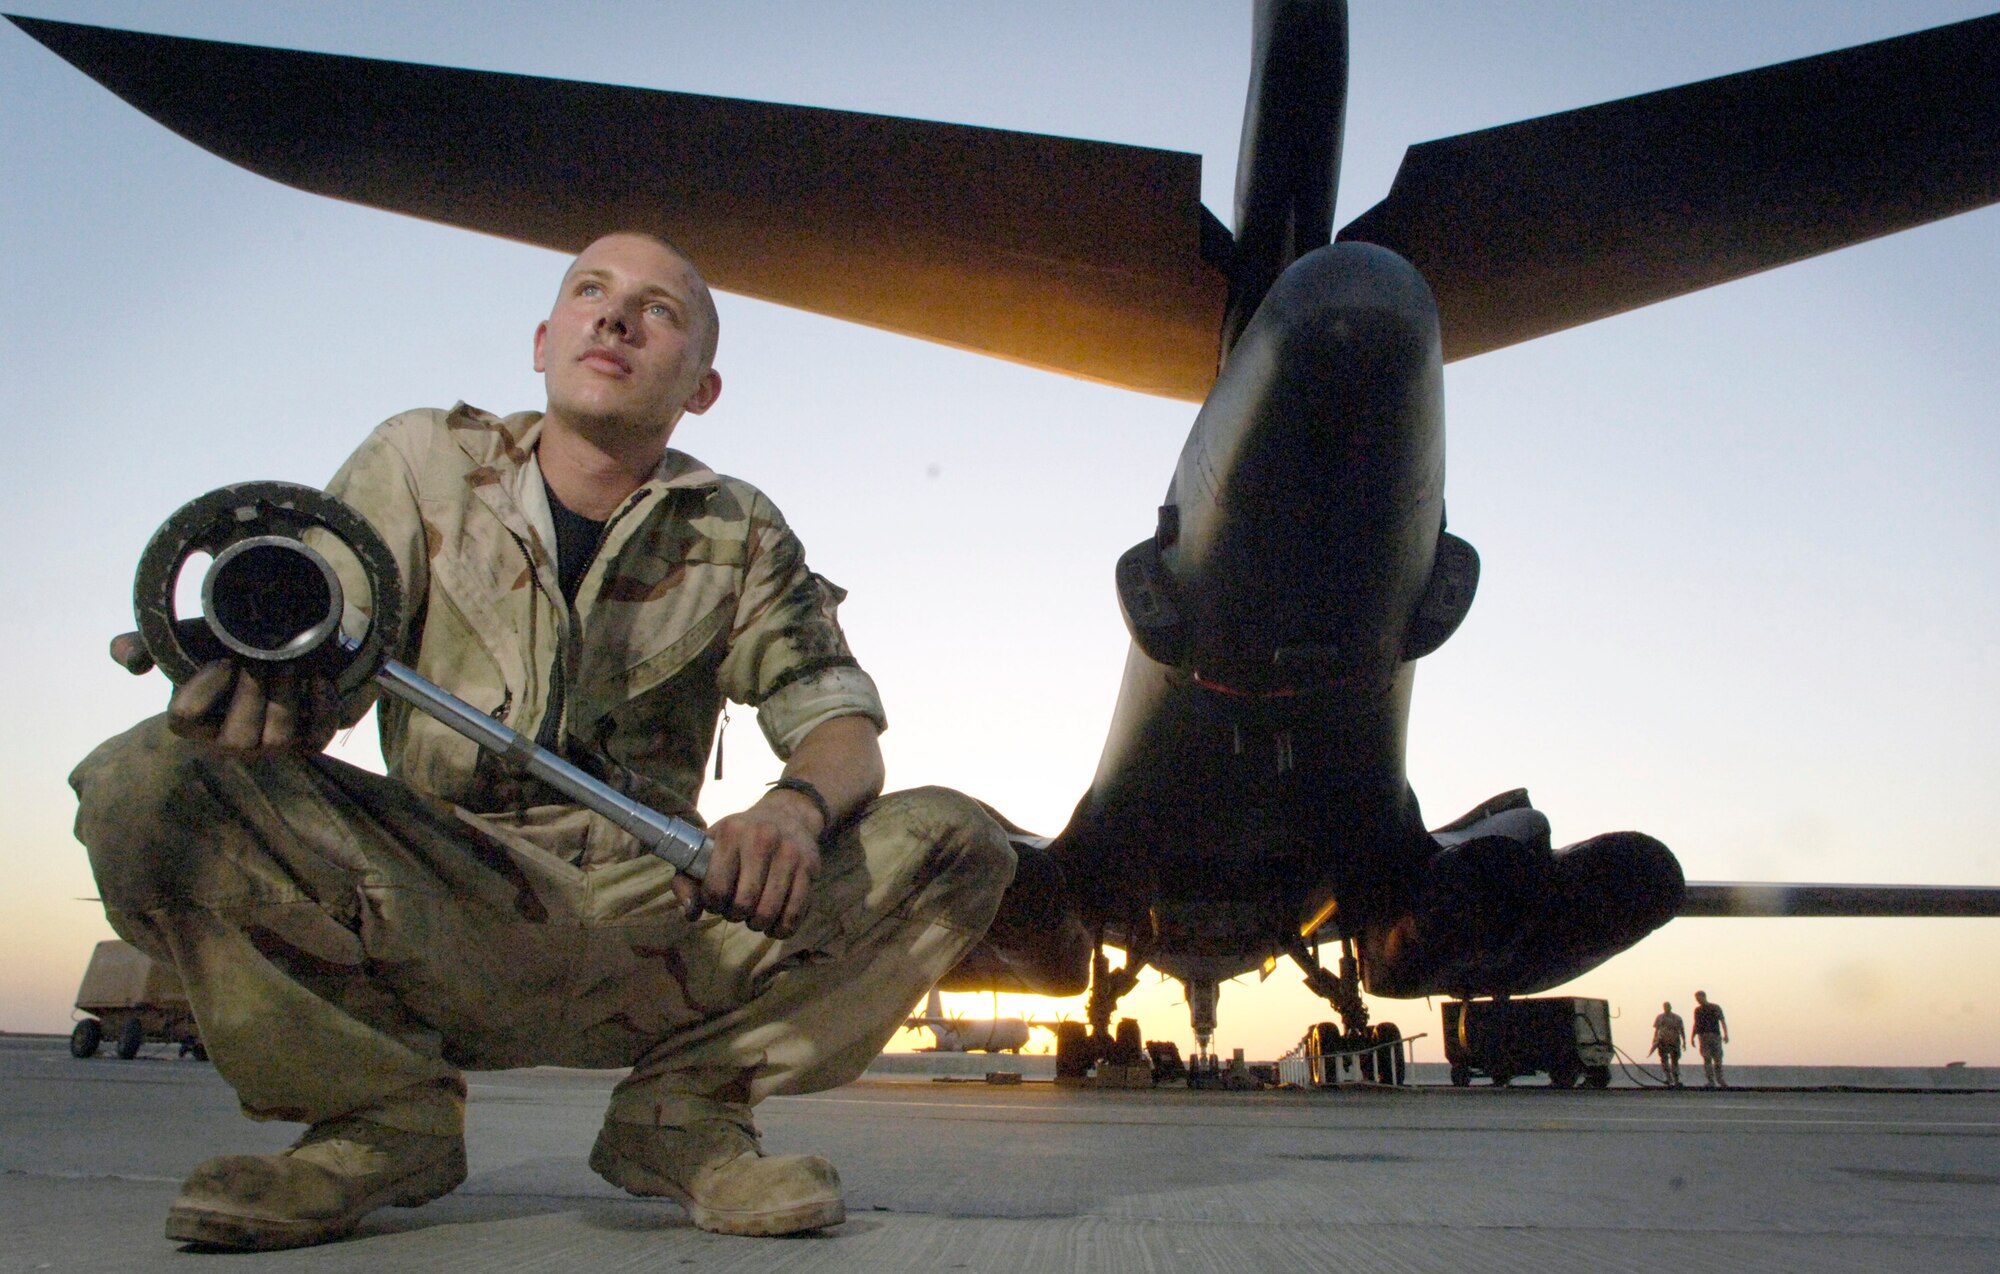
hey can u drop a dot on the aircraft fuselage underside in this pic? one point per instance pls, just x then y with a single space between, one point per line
1253 773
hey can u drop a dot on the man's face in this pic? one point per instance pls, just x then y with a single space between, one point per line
625 345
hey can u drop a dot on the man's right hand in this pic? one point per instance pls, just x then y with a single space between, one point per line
244 710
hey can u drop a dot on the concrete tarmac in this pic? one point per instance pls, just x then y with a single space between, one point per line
968 1176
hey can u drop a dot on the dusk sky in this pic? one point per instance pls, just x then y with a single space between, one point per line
1739 585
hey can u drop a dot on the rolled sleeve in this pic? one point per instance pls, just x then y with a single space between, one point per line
798 708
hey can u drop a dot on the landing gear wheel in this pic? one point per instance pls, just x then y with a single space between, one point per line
1461 1075
1392 1059
130 1037
1564 1074
1074 1056
83 1041
1362 1041
1597 1076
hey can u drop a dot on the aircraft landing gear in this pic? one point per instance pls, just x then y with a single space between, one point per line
1360 1045
1342 992
1080 1047
1202 994
1107 987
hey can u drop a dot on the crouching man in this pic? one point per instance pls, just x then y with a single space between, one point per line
352 943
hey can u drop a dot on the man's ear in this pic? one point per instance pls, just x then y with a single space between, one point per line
705 394
541 337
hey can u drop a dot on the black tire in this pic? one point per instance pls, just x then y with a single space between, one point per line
1389 1033
1461 1075
130 1037
200 1051
1074 1056
1597 1076
1564 1074
83 1041
1502 1078
1127 1045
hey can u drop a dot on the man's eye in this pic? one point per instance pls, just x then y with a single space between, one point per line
659 311
590 289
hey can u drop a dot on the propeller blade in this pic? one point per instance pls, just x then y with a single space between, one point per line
1538 226
1739 898
1079 257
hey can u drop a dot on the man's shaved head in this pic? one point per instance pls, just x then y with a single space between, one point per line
629 345
708 322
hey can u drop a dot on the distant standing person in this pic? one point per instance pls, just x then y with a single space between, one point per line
1669 1037
1711 1032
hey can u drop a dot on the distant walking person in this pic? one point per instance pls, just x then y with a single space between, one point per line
1669 1037
1711 1032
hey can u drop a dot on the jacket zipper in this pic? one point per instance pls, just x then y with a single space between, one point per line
550 733
552 718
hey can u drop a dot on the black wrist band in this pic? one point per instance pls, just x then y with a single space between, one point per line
811 793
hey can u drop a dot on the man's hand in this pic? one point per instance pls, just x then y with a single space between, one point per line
244 710
249 711
762 869
766 857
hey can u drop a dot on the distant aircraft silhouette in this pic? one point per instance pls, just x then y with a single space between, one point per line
956 1033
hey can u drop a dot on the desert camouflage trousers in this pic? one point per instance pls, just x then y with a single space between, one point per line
351 945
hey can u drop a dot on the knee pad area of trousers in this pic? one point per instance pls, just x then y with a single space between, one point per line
958 840
144 800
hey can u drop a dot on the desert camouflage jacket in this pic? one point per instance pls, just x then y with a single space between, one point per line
698 592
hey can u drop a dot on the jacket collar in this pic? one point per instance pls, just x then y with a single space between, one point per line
506 445
506 477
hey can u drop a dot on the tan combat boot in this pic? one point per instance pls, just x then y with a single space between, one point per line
714 1168
316 1191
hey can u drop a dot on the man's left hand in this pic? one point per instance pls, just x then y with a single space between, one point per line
764 862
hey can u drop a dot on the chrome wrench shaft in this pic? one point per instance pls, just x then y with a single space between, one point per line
676 840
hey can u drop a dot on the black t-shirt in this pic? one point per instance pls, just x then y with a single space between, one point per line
1708 1019
577 538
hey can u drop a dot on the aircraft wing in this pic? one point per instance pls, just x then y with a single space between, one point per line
1080 257
1538 226
1737 898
